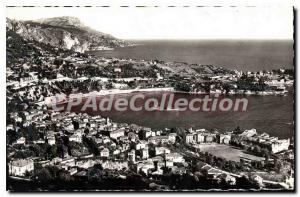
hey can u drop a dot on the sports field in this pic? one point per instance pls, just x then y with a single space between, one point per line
228 152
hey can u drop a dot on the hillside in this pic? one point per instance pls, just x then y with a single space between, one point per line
64 33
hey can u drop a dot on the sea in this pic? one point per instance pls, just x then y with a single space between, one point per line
271 114
246 55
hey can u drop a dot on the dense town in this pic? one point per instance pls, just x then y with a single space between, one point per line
74 147
85 152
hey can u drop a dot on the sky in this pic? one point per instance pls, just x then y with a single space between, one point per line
175 22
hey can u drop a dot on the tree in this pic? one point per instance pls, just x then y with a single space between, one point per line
98 166
238 130
12 136
257 150
44 175
95 174
277 164
28 174
64 175
132 84
166 170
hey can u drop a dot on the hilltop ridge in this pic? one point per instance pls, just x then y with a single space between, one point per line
64 33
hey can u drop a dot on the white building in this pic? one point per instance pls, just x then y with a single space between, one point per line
227 178
158 139
249 133
51 140
280 145
131 156
85 163
20 167
145 153
21 140
68 162
189 138
224 138
200 137
117 70
115 165
104 153
116 152
145 166
175 157
141 145
257 179
172 137
40 141
75 138
146 132
209 138
106 140
9 127
117 133
73 171
161 150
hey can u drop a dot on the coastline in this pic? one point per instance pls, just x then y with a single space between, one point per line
139 54
48 100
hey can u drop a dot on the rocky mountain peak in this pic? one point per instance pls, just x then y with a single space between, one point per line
63 21
64 32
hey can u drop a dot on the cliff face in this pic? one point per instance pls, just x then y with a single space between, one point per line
64 33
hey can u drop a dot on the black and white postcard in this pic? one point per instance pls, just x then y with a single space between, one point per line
150 98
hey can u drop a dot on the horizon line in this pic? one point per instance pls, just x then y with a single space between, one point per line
207 39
